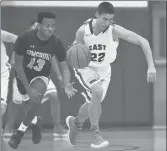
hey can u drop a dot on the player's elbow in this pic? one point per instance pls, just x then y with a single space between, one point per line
143 42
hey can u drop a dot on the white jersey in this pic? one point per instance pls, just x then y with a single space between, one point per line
4 57
103 47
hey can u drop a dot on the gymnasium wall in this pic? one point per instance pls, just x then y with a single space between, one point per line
129 98
159 49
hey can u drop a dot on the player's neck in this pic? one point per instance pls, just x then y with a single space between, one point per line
41 36
96 30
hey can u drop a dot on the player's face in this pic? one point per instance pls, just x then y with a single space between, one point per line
48 26
104 20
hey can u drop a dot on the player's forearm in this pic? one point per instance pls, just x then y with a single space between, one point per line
66 75
147 52
55 68
21 74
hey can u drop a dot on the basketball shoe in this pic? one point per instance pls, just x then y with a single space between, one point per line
98 141
36 131
73 128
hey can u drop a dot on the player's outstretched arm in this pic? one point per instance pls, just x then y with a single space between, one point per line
134 38
70 91
55 69
18 65
8 37
65 72
64 69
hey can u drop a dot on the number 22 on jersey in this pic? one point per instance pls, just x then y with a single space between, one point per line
97 57
36 64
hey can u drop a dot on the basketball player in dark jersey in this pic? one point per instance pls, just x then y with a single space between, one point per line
35 57
50 95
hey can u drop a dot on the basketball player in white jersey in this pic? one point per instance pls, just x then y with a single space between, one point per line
5 67
100 36
50 94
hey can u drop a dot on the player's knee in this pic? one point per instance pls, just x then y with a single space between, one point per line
97 91
53 97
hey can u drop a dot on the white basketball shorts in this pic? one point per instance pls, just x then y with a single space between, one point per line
4 85
88 76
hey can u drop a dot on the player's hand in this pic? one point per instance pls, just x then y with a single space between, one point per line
69 90
151 74
33 94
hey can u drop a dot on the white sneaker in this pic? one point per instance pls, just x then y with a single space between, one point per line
98 141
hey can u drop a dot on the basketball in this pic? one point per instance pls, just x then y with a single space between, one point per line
39 85
78 56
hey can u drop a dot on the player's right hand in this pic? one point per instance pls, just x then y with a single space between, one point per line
69 90
33 95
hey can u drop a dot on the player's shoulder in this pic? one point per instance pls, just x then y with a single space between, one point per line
117 29
81 30
27 34
85 23
57 42
88 21
56 39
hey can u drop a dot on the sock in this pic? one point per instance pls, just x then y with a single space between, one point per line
78 123
95 128
22 127
34 121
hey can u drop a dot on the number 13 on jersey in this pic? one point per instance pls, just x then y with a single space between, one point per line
36 64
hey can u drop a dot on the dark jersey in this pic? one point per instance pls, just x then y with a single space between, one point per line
38 54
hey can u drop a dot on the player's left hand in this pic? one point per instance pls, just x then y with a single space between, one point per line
69 90
151 74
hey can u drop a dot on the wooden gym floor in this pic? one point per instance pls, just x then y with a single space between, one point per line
120 140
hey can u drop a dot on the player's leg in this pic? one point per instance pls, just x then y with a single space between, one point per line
51 94
4 91
98 140
86 110
10 118
86 77
39 84
83 113
98 91
13 105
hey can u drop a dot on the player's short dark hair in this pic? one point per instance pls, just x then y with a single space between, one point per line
105 8
43 15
